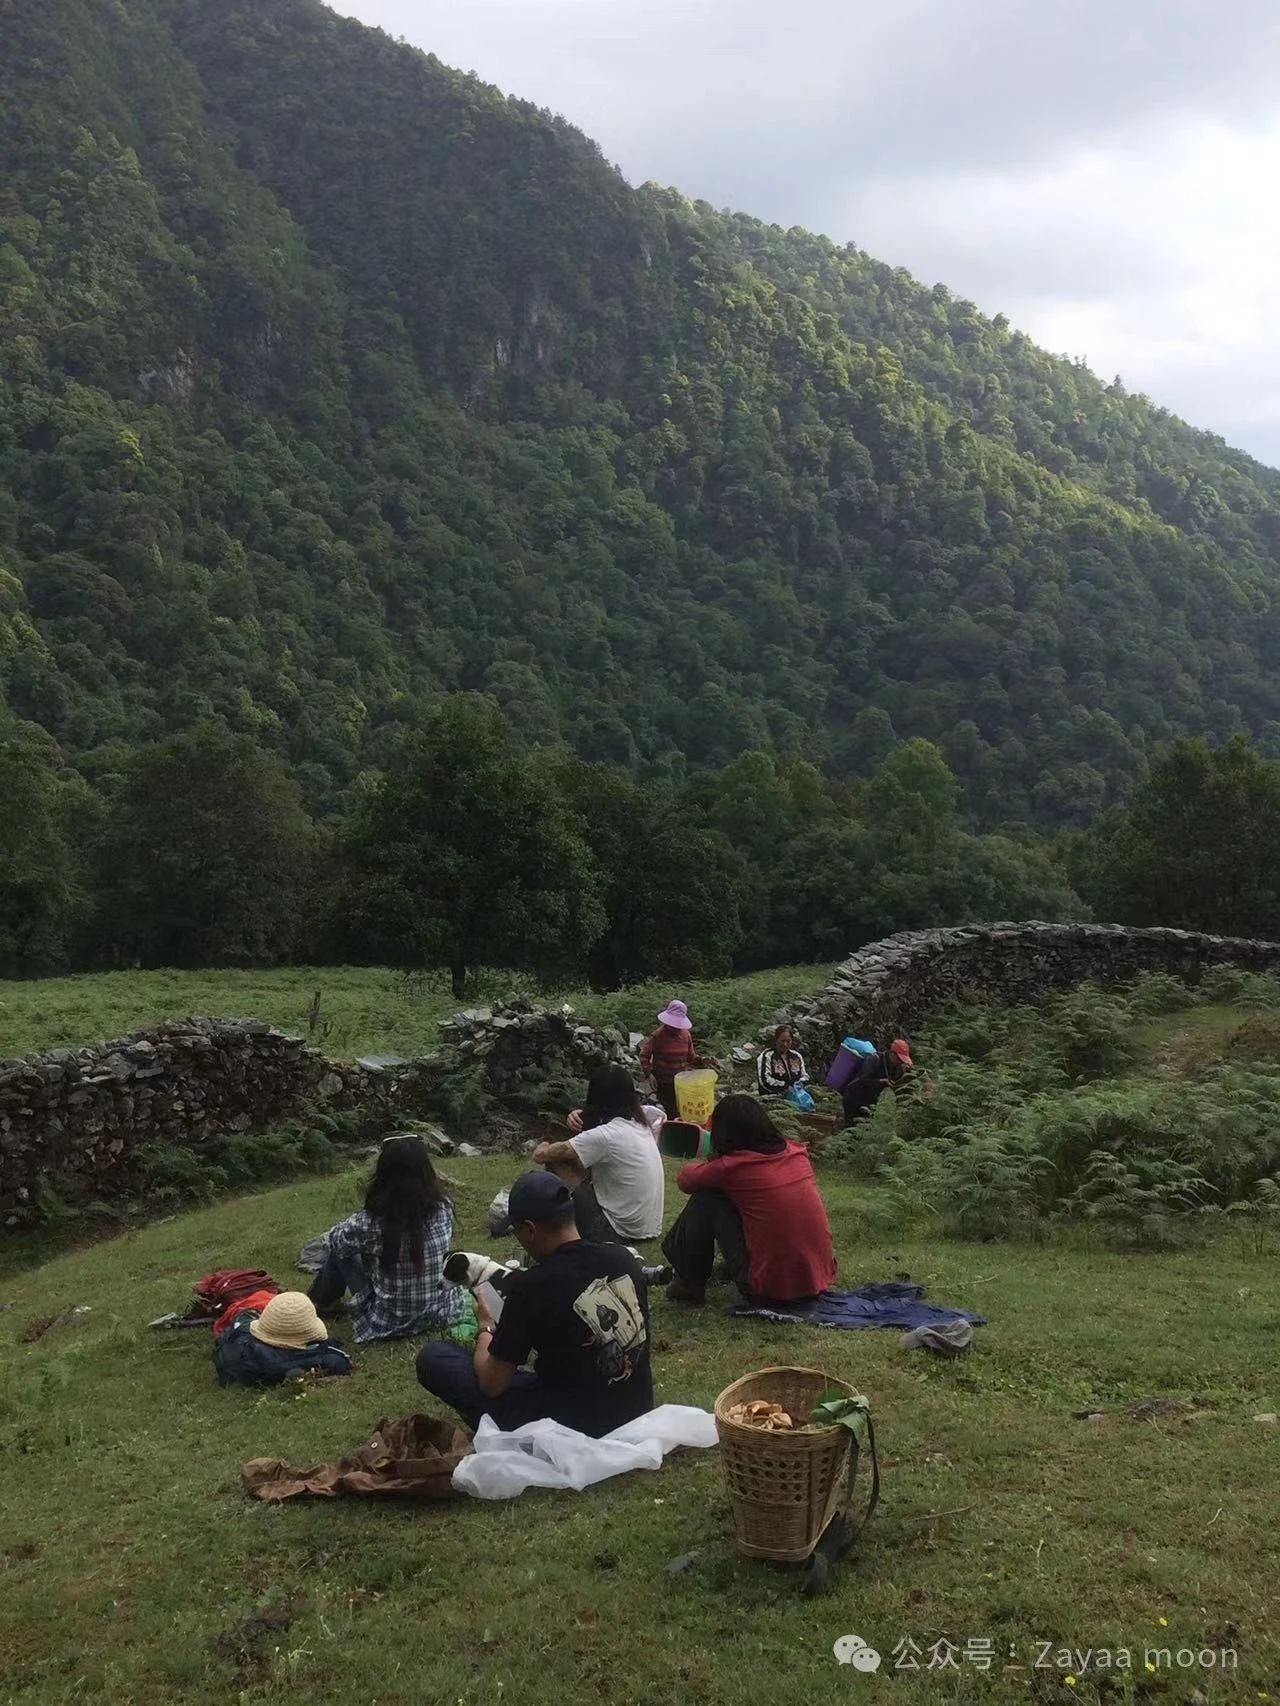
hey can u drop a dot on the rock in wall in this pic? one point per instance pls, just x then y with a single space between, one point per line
519 1043
889 987
81 1113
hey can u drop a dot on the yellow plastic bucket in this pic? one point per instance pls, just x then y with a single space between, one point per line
696 1096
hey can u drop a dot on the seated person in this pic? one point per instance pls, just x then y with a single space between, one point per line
582 1311
781 1065
390 1255
286 1339
611 1163
758 1201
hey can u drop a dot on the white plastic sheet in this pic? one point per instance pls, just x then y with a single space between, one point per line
546 1454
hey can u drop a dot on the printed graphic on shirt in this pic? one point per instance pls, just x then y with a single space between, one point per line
611 1310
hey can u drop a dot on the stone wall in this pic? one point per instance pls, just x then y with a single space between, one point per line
519 1044
81 1113
889 987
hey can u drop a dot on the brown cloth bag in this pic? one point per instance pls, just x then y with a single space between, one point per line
415 1458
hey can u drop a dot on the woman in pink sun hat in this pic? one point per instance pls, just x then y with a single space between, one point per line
668 1051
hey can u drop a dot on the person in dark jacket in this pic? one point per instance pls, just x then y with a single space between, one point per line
781 1066
875 1073
285 1340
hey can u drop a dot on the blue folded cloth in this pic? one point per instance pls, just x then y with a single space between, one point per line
887 1303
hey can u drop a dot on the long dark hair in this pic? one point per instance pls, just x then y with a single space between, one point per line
740 1122
611 1095
403 1197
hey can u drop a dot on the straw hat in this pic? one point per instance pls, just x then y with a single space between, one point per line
289 1322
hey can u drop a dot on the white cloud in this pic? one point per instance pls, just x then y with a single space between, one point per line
1102 173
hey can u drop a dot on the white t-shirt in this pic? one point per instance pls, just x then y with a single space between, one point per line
626 1173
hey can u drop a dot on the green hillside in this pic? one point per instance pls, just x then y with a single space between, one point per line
332 380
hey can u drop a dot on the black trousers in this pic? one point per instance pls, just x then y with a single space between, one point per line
708 1222
328 1285
594 1225
448 1373
665 1090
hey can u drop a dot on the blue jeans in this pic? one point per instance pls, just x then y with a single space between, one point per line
448 1373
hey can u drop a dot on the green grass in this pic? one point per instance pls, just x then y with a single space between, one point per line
135 1570
363 1009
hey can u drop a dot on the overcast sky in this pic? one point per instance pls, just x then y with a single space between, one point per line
1105 172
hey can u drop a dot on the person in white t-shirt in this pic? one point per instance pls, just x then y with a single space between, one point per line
611 1162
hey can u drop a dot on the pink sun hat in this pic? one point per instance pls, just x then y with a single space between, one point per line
676 1014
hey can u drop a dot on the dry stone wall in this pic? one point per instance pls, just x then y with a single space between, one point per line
519 1043
81 1113
889 987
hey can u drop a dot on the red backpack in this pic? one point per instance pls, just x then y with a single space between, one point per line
216 1292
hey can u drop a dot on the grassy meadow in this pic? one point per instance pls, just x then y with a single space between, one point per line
362 1009
1036 1539
136 1571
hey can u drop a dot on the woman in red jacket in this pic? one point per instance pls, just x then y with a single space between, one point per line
757 1201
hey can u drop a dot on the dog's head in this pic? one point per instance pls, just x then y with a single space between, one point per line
465 1267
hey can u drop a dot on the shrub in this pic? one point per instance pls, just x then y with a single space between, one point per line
170 1170
1230 986
867 1146
1090 1034
1157 992
1156 1201
1257 1216
986 1188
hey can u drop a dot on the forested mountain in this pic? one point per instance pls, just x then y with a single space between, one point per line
332 380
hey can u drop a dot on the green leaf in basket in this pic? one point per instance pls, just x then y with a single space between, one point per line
835 1409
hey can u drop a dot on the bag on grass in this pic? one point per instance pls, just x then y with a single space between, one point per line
225 1286
413 1458
499 1218
216 1294
800 1099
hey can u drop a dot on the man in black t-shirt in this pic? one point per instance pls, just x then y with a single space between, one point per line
582 1311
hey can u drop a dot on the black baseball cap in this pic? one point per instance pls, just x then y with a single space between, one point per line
539 1196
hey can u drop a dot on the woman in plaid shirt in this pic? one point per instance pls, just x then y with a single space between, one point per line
390 1255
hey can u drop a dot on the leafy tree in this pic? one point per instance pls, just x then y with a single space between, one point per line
206 856
674 887
461 854
912 795
40 893
1196 848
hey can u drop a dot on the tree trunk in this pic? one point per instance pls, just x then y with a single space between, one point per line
458 974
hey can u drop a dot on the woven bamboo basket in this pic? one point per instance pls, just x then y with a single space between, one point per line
784 1487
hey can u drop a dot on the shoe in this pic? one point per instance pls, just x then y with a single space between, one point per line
680 1291
662 1275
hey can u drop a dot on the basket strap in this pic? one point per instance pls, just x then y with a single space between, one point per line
874 1500
852 1471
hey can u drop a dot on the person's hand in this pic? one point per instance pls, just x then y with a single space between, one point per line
485 1322
574 1121
540 1154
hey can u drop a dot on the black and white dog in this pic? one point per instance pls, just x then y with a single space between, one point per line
464 1267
